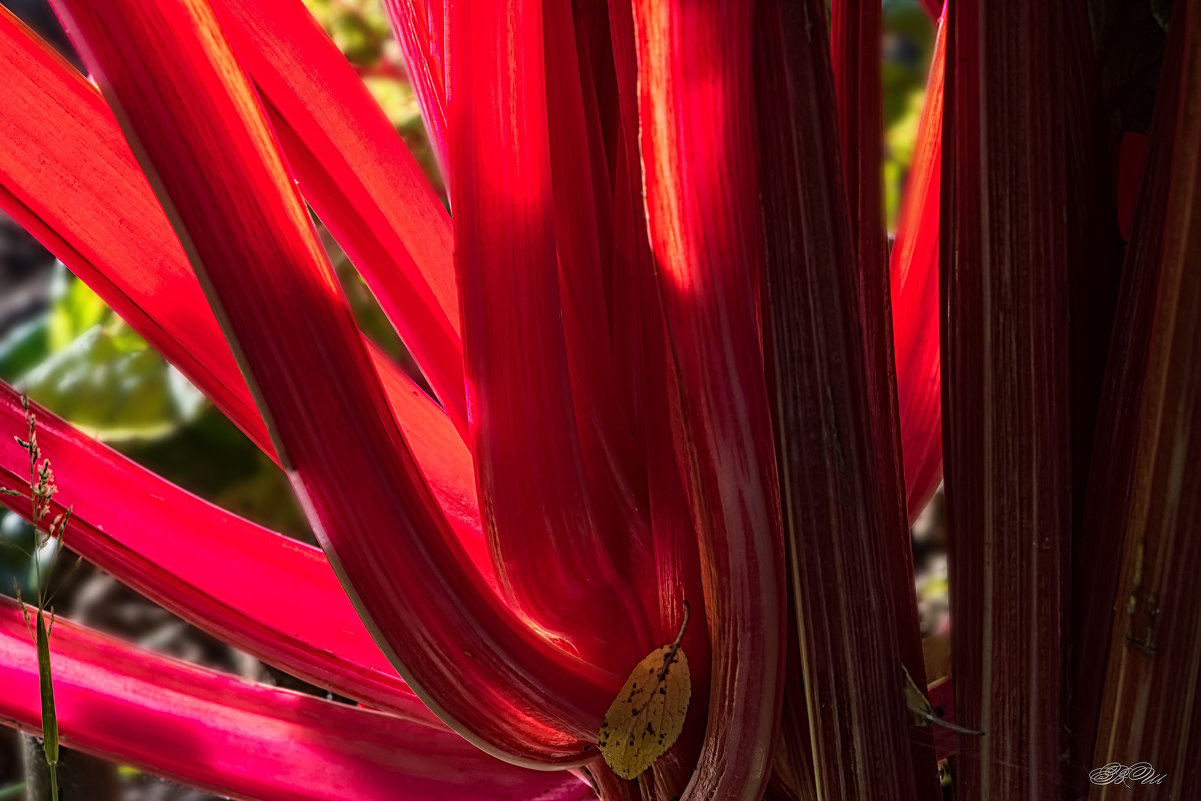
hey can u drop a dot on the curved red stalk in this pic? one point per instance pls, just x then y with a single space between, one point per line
66 168
68 165
361 180
561 546
267 594
240 739
698 150
214 160
419 26
1006 398
915 301
853 605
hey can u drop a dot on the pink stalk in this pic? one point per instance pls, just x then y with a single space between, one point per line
135 263
57 121
241 739
267 594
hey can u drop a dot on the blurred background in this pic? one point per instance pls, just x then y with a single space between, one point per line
70 352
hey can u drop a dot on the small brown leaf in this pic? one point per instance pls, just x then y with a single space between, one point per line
648 714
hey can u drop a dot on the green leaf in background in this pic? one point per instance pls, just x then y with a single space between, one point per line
90 368
111 384
899 139
75 310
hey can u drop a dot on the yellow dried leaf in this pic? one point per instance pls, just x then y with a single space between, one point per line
648 714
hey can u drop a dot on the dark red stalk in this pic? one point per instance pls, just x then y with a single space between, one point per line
260 591
855 44
1149 708
1111 478
1006 402
1095 245
841 539
698 149
214 161
793 776
651 390
599 85
855 52
675 561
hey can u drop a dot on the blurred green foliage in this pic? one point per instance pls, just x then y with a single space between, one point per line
358 27
98 373
906 51
86 364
